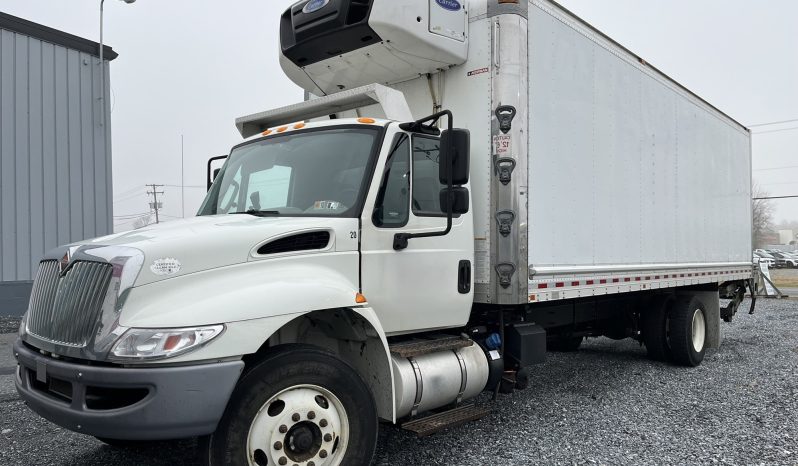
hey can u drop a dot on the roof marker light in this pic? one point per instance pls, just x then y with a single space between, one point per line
266 133
360 299
299 125
282 129
367 121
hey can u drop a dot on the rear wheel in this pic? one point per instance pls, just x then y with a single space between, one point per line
301 405
654 322
688 331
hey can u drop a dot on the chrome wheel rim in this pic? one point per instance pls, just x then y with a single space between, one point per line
699 330
302 425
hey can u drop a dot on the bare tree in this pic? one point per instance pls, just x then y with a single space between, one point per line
762 220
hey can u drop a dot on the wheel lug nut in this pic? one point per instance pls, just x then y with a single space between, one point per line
278 445
283 460
295 417
327 438
323 423
323 453
311 415
283 429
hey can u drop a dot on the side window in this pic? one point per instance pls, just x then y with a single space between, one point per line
392 207
426 185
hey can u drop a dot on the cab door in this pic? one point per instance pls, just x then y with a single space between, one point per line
428 285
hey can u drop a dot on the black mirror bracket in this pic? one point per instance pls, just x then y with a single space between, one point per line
400 240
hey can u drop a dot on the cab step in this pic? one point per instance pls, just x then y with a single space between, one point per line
437 422
415 348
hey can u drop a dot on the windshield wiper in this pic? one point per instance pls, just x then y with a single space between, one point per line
258 213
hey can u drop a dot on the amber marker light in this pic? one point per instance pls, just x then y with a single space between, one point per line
282 129
368 121
299 125
360 299
266 133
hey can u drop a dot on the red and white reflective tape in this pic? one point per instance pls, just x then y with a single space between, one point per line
545 289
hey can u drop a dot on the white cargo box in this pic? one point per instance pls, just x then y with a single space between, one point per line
611 177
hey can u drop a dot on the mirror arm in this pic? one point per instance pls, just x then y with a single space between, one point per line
400 240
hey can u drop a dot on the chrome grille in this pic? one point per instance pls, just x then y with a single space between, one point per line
65 308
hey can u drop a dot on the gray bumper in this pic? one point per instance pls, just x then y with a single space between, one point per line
126 403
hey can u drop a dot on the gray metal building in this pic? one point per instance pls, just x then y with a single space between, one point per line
55 149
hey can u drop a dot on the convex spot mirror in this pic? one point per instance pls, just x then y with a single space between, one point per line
457 197
455 150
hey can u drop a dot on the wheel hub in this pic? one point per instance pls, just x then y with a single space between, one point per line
699 330
303 441
301 425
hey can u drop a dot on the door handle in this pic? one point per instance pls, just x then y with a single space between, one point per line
464 277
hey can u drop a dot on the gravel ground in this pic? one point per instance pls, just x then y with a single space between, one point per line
9 324
605 404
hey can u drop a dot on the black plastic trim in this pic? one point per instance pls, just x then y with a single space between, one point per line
339 27
309 241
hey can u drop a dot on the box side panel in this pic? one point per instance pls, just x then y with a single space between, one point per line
625 166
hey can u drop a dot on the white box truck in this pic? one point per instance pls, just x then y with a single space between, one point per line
466 186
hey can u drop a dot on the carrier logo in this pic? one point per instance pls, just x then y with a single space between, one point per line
316 5
451 5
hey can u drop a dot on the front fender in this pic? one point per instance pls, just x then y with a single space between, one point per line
249 291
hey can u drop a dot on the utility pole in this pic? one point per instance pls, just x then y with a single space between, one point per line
155 205
182 181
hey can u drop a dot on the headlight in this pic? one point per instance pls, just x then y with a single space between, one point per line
145 343
22 324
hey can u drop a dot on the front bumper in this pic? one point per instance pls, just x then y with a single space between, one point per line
126 403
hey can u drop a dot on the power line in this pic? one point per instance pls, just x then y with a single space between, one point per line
776 130
775 168
774 197
130 215
781 182
773 123
127 198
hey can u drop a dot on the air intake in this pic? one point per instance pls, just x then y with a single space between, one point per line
299 242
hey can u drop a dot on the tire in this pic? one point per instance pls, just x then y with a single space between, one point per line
565 344
301 396
654 323
688 331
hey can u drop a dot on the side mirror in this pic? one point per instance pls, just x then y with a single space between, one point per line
211 173
454 152
457 198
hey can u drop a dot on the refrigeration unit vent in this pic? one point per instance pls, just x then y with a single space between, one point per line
332 45
298 242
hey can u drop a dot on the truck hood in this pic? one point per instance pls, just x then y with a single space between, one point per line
192 245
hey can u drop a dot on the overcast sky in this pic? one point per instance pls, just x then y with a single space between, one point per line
191 67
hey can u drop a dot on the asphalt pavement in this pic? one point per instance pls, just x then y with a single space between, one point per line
605 404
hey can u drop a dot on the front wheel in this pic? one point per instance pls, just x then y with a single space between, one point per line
300 405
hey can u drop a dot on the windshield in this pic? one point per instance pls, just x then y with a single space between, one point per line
313 173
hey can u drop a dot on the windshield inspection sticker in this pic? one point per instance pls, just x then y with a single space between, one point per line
165 266
327 205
